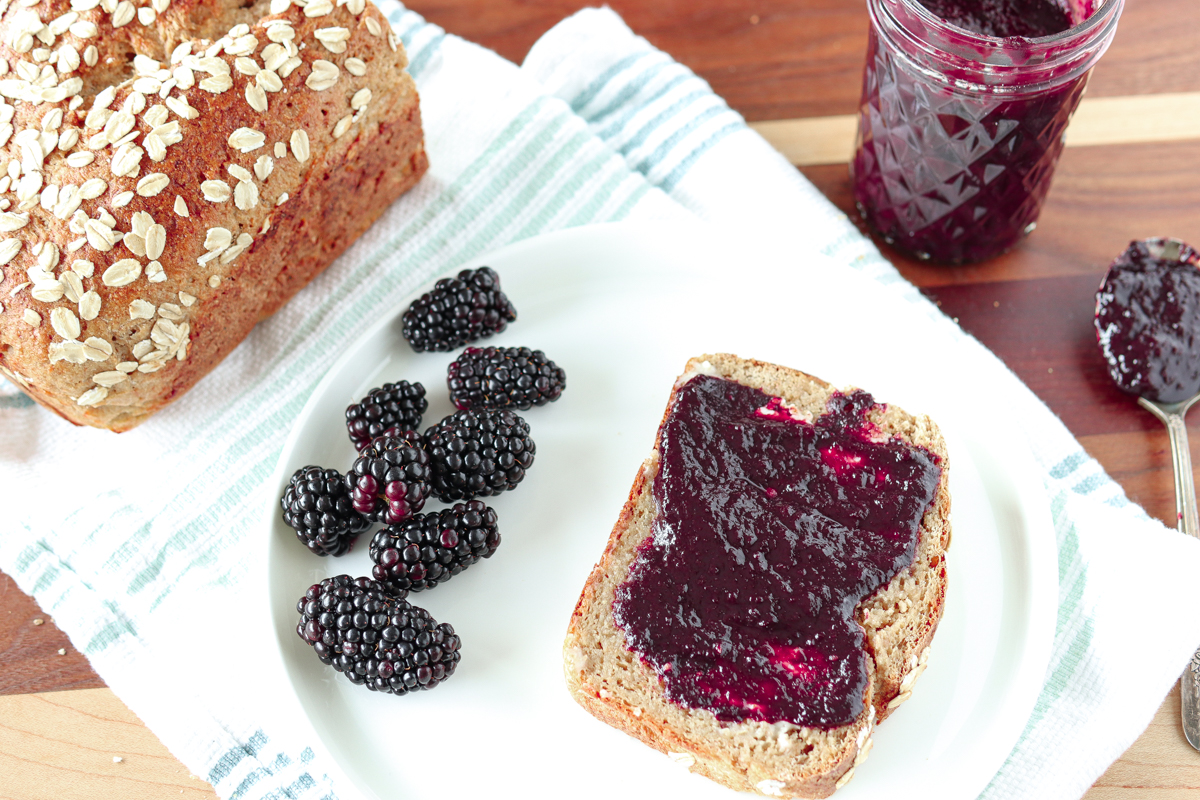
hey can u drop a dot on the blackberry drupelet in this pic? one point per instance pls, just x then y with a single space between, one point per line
478 453
504 377
318 506
376 639
428 549
390 479
389 409
458 310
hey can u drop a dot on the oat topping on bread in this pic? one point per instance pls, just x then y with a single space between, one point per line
172 172
773 757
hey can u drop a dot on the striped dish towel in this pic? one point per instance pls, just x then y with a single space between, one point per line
137 544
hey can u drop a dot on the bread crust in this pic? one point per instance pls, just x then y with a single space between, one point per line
779 759
147 340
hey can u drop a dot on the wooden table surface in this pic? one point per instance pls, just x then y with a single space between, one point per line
793 67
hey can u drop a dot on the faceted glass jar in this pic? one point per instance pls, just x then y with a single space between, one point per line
959 133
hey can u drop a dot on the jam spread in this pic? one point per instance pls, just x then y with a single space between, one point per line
1003 18
769 531
1148 320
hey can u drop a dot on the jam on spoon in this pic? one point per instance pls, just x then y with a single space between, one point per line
1148 320
1148 327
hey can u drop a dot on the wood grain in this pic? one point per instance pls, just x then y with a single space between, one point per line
1101 199
1042 329
811 141
1160 765
1098 121
61 745
29 651
782 59
1173 117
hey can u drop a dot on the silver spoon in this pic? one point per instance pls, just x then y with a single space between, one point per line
1172 415
1185 506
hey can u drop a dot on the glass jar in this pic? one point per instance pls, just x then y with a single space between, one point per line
958 133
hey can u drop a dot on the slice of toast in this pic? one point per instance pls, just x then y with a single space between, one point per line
778 759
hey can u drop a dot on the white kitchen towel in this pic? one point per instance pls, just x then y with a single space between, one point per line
140 545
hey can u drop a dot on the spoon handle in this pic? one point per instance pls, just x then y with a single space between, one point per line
1185 485
1181 458
1185 507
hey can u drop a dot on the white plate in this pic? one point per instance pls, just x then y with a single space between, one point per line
621 308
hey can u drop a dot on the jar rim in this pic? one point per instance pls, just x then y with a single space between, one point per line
1103 14
974 62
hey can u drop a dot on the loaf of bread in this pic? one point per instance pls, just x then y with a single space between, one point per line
172 171
779 758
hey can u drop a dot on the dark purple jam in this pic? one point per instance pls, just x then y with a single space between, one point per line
769 531
1148 320
1003 18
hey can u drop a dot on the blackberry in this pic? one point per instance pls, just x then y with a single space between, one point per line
478 453
374 638
428 549
504 377
391 408
457 311
390 479
317 505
